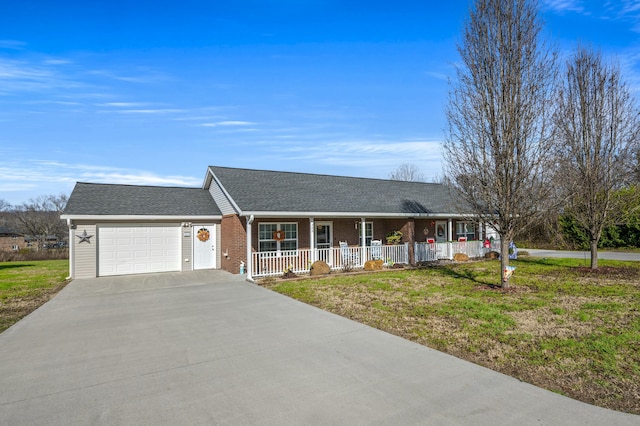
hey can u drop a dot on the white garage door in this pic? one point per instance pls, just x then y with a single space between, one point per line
138 249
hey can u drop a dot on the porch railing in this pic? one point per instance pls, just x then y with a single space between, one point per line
298 261
429 252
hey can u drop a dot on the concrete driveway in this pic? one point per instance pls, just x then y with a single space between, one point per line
567 254
207 348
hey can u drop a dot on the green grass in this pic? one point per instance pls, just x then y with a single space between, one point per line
560 326
26 285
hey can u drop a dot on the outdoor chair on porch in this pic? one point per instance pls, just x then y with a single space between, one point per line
349 257
376 249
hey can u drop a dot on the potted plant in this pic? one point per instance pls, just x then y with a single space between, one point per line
394 237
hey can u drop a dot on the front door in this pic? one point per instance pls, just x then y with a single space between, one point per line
204 246
441 238
441 231
324 238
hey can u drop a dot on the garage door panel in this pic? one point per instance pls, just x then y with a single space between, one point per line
134 249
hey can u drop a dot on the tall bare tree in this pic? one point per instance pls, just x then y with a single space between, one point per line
597 127
497 149
407 172
40 217
5 206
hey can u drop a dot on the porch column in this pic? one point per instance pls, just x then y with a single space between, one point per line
312 239
249 265
363 236
480 226
450 237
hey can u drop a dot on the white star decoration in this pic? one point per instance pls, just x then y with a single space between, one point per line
84 237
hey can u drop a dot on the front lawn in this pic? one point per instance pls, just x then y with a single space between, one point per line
560 326
24 286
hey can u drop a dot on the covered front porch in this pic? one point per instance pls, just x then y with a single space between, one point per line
278 245
338 258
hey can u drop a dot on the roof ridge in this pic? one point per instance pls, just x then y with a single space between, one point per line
140 186
325 175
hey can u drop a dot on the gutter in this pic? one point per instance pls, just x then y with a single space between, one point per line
350 215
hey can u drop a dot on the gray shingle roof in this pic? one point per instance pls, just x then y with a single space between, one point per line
6 231
271 191
108 199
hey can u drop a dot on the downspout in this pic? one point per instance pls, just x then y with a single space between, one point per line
71 251
249 254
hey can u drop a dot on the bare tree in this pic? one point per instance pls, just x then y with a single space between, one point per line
5 206
597 127
40 217
407 172
497 149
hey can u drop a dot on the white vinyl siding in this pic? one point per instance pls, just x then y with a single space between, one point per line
220 198
84 254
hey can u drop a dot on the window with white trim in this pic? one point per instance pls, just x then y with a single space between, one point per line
269 235
15 247
368 233
465 229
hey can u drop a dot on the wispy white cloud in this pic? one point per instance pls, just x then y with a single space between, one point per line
142 76
150 111
57 61
562 6
438 75
42 174
630 6
23 76
228 123
124 104
12 44
362 158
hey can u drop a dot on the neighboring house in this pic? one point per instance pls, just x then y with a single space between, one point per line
11 240
254 220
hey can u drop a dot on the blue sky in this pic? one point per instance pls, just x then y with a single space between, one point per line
152 92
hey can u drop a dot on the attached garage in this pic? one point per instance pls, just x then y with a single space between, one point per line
138 249
131 229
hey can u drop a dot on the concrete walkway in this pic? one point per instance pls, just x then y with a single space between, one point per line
207 348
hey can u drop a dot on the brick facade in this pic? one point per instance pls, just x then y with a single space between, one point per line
233 243
8 242
233 234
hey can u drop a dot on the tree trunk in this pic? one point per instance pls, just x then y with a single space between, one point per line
504 262
594 254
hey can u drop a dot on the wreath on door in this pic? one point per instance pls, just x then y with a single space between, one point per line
278 235
203 234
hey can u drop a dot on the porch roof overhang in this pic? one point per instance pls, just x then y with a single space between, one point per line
350 215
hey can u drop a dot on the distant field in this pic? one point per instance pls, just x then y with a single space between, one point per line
24 286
